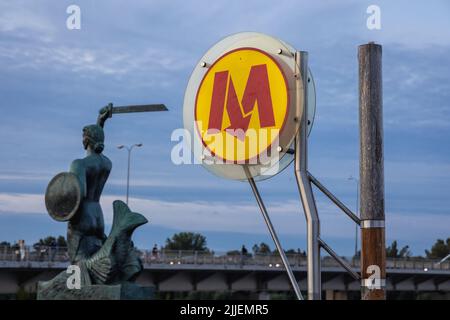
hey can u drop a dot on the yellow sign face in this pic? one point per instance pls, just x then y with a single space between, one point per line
241 106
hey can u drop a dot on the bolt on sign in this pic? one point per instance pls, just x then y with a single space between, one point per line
240 106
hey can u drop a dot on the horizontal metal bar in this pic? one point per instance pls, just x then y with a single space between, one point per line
336 201
367 224
139 108
341 261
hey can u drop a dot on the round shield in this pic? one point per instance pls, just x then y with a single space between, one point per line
240 108
63 196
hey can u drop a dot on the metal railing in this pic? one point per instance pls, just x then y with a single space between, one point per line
220 258
168 257
36 253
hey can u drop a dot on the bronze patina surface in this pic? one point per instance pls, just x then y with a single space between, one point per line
108 264
63 196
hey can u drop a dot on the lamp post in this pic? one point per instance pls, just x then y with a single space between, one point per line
357 208
129 149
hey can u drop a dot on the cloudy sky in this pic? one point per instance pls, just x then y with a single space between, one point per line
53 81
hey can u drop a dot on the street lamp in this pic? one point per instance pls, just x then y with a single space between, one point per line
129 148
357 208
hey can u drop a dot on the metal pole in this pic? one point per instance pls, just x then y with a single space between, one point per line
357 205
357 213
128 172
303 182
371 172
341 261
273 233
335 200
443 259
129 149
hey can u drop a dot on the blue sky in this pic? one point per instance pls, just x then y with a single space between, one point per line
53 81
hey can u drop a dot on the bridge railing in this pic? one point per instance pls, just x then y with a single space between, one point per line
178 257
274 260
33 253
220 258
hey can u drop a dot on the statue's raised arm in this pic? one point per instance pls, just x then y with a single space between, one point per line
103 114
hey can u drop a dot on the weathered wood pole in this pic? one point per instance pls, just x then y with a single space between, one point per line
371 171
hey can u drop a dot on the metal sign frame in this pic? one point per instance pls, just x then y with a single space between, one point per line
283 54
304 186
304 183
299 150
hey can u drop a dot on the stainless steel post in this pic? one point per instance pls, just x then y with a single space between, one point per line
128 172
129 149
357 211
303 182
273 233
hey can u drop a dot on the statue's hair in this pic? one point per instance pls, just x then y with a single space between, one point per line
95 137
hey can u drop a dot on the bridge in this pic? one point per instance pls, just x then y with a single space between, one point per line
257 274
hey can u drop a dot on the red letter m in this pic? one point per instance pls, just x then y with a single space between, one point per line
257 90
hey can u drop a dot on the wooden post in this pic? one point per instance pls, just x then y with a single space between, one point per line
371 171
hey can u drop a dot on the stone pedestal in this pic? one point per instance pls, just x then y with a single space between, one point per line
56 289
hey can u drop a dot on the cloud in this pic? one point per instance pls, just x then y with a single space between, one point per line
24 176
35 39
54 79
245 217
416 88
156 180
415 25
21 203
21 17
130 51
89 61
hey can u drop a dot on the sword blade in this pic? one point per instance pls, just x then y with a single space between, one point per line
139 108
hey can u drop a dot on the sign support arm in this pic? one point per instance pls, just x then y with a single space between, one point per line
303 182
273 233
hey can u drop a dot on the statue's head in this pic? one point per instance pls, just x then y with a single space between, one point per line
93 138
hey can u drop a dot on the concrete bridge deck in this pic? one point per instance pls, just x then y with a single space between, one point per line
181 271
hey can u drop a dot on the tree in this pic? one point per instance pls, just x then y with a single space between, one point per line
5 244
289 251
61 241
393 252
234 253
439 250
262 248
52 241
187 241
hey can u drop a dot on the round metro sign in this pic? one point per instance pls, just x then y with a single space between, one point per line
240 109
242 101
